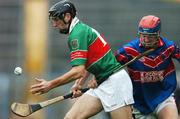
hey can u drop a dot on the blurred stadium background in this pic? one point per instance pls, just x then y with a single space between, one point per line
28 40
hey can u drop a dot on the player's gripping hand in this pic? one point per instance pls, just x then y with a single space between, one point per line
42 86
92 83
75 89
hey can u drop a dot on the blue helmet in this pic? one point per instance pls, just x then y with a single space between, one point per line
149 25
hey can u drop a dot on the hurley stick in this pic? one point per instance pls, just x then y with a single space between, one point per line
24 110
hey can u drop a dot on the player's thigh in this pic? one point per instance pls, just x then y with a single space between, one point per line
167 109
85 107
168 112
138 115
122 112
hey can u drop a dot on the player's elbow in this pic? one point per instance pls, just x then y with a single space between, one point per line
79 71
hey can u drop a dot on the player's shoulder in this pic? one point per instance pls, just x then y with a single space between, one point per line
80 28
133 43
167 42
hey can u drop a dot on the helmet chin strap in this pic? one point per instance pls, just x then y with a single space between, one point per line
149 45
66 30
152 45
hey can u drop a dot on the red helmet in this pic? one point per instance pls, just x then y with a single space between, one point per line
149 25
149 30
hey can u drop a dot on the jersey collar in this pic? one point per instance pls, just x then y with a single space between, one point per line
73 23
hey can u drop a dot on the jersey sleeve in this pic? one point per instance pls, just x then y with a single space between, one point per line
121 55
78 48
176 53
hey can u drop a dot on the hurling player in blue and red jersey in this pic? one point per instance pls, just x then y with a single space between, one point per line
153 76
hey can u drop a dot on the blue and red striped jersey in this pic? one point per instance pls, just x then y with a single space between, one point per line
153 76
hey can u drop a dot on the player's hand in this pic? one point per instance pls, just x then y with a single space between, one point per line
92 83
42 86
75 89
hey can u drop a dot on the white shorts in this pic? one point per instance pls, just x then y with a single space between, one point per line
169 101
115 92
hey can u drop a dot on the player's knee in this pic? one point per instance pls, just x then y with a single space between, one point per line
70 116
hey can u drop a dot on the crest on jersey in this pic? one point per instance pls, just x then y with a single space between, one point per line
74 44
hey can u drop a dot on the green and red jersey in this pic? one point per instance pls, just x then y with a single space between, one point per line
88 47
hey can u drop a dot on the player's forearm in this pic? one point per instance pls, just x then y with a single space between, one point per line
61 81
75 73
81 81
58 82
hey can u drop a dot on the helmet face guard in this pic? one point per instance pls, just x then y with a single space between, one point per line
149 31
149 40
55 16
58 11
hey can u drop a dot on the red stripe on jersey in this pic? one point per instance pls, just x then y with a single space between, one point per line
159 59
177 55
121 58
78 54
97 50
148 61
131 51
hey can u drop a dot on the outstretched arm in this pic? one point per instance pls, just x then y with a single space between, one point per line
43 86
176 53
78 85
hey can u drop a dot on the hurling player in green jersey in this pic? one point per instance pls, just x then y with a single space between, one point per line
89 53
